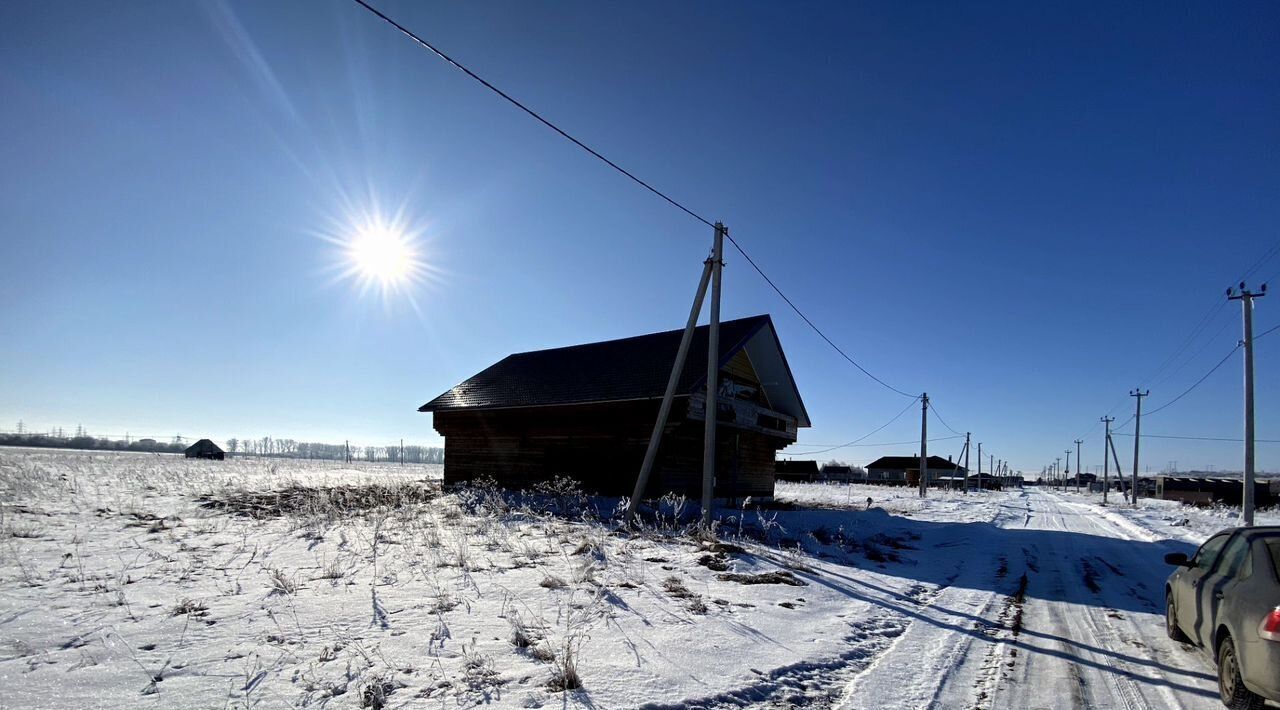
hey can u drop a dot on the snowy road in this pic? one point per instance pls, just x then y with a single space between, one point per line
1055 604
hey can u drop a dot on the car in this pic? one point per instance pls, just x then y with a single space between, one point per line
1226 599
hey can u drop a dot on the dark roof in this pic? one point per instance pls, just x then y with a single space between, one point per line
204 445
610 371
792 466
936 463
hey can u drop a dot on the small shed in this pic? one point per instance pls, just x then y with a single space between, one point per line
205 449
587 412
797 471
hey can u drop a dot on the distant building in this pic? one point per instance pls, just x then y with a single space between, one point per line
1207 491
838 472
798 471
587 412
204 449
901 470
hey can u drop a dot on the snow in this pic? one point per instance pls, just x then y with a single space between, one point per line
119 588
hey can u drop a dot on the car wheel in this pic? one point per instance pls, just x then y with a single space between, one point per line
1171 621
1230 685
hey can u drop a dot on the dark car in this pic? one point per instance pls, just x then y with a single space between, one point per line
1226 599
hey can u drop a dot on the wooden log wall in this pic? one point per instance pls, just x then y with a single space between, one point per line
602 446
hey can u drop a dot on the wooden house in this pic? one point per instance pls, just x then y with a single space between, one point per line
841 473
587 412
905 470
204 449
796 470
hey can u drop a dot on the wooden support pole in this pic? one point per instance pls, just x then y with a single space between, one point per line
682 353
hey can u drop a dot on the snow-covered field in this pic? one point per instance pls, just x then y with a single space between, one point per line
154 581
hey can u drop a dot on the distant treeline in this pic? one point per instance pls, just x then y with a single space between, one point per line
91 442
288 448
263 447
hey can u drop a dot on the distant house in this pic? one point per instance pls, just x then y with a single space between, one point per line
799 471
837 472
587 412
204 449
901 470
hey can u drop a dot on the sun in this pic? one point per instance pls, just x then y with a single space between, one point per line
383 255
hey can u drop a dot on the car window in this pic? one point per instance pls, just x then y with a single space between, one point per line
1273 546
1208 552
1234 558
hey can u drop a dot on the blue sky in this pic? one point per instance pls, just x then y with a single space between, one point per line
1021 208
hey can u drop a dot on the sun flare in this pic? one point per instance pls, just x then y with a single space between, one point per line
382 254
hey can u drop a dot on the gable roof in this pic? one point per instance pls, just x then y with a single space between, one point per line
936 463
626 369
204 445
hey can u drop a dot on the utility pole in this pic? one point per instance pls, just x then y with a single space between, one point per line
664 410
1245 297
1106 468
1079 466
402 452
713 386
1057 471
1137 437
1067 472
924 443
1115 458
979 465
966 462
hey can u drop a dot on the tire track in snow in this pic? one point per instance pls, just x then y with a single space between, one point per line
820 684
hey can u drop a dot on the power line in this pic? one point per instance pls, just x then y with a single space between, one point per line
1205 321
941 420
1200 438
1268 330
408 33
882 443
1266 256
868 434
1197 384
809 322
672 201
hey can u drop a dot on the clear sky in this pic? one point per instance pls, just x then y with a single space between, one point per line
1021 208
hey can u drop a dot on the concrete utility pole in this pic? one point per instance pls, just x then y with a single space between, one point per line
1057 470
713 386
1115 459
979 465
1067 473
1137 437
1245 297
1106 468
1079 466
924 443
966 462
664 410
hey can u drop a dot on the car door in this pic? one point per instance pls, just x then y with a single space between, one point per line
1187 591
1218 586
